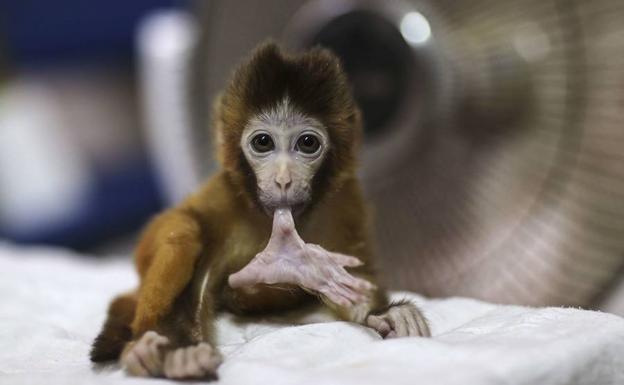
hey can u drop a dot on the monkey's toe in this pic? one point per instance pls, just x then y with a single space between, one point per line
198 361
144 358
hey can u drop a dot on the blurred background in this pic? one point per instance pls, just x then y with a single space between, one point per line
493 155
74 169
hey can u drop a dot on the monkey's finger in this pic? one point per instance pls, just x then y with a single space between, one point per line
160 341
245 277
347 260
177 368
358 284
339 258
393 325
402 327
203 354
168 366
198 357
134 366
379 324
191 365
150 358
282 221
413 330
423 328
153 357
398 322
351 295
208 358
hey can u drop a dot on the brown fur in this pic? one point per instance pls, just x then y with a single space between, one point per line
116 331
220 229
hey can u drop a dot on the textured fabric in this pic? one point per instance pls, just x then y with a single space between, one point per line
52 305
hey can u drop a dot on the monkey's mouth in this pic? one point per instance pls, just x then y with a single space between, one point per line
269 202
295 207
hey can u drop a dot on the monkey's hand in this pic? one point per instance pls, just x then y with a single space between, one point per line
152 356
400 319
288 259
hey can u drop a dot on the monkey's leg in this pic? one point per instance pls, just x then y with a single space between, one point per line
116 331
175 245
288 259
166 341
180 346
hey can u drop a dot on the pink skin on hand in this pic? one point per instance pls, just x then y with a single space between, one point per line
288 259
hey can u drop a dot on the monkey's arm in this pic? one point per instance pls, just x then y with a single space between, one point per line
389 319
166 259
288 259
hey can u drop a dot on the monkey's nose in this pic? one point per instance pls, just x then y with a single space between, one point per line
282 177
283 181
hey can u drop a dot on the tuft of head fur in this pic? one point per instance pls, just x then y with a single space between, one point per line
315 84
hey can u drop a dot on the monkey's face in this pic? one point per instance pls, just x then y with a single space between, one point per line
285 149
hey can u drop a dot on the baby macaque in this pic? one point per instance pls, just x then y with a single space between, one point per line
287 133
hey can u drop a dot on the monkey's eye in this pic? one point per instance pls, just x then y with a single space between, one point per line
308 144
262 143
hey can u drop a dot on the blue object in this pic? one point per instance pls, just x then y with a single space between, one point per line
43 32
121 200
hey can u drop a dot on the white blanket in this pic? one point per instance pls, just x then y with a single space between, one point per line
52 305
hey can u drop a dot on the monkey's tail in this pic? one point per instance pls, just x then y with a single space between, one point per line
117 330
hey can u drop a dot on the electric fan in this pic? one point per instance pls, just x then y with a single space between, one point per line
494 134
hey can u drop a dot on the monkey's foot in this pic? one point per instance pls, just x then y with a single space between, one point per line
145 357
400 320
197 361
288 259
